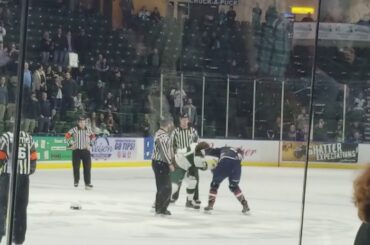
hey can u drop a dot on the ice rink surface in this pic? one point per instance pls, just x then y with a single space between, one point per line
118 210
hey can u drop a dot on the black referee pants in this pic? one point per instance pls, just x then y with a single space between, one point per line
163 182
85 157
21 203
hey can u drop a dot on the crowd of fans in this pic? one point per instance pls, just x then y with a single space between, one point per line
117 80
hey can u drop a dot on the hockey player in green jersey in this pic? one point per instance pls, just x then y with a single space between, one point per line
187 165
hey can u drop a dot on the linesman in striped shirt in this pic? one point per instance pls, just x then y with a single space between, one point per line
162 165
182 137
26 166
79 140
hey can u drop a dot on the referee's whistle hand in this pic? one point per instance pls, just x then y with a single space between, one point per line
172 168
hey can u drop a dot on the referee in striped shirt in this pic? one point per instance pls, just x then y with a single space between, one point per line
79 140
162 165
182 137
26 166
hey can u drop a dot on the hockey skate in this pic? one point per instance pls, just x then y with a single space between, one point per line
163 213
192 204
208 209
246 209
198 202
89 187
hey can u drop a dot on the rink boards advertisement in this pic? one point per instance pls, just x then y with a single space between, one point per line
320 152
137 152
103 149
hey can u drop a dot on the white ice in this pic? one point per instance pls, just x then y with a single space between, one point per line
118 210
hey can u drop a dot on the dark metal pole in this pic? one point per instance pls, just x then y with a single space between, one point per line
17 124
313 83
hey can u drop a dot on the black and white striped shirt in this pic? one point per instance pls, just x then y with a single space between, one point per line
27 154
80 138
183 138
162 147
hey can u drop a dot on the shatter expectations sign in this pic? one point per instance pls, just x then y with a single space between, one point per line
216 2
321 152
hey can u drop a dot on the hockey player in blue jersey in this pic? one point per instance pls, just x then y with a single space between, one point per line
225 162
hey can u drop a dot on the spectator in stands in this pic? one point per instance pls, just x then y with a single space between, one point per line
302 118
49 76
56 93
191 111
143 14
141 51
359 102
155 16
31 113
12 91
45 47
60 71
82 45
4 57
27 78
126 91
109 102
79 105
127 7
231 15
221 17
178 96
101 120
320 132
292 133
98 95
45 114
256 16
69 91
13 56
60 47
102 67
356 137
2 32
38 81
81 77
111 124
3 97
54 119
154 59
308 18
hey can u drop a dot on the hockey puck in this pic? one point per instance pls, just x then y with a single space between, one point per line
76 207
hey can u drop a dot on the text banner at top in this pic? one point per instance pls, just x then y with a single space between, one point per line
215 2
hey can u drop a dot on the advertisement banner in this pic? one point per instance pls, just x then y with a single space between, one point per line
332 31
320 152
254 151
103 149
215 2
114 149
52 149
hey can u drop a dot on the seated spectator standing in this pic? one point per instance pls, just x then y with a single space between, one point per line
27 79
60 47
155 16
45 47
3 97
12 91
45 114
69 91
31 113
231 15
